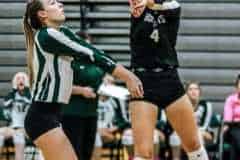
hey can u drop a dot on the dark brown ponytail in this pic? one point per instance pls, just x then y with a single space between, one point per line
31 23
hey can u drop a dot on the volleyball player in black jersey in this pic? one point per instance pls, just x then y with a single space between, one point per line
51 48
153 35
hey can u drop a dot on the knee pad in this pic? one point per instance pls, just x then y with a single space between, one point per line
1 140
19 138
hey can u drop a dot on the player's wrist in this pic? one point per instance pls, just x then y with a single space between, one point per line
120 72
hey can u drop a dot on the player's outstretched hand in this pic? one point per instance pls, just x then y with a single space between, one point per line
137 7
133 83
135 86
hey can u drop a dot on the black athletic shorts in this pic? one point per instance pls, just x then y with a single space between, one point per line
161 86
41 118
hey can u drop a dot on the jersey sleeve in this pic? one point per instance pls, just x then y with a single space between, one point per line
208 116
173 22
28 93
67 43
102 60
105 62
53 41
8 100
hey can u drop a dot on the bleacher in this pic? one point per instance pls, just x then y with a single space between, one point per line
208 42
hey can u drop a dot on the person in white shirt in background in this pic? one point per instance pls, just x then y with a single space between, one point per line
17 103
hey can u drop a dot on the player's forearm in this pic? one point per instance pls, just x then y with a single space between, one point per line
55 42
121 73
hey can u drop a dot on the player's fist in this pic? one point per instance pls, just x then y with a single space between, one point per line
137 7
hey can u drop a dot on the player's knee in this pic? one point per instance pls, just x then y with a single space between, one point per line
193 144
19 138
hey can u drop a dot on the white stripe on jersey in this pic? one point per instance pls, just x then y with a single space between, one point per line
45 69
60 37
35 68
51 71
7 103
208 116
65 86
110 61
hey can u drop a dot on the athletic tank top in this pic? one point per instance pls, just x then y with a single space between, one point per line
153 37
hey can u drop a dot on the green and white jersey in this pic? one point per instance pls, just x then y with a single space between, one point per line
53 52
18 104
203 114
106 113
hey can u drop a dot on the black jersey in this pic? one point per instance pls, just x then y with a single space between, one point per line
153 37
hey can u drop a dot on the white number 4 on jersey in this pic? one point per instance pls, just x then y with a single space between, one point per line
155 35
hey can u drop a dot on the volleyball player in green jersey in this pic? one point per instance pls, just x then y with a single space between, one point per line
51 49
153 37
79 118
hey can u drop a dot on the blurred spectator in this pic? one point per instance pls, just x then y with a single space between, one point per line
18 102
106 115
110 119
232 117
